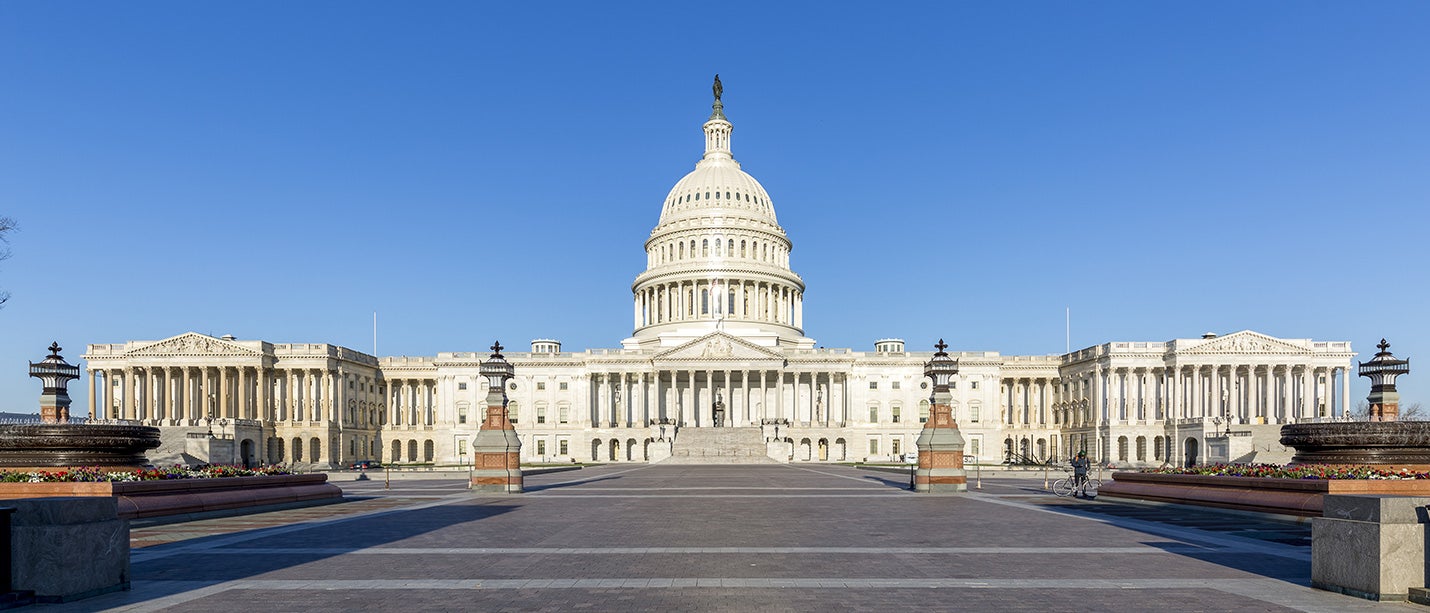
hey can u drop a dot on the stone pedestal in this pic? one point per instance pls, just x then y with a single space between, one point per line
940 451
65 549
497 464
1370 546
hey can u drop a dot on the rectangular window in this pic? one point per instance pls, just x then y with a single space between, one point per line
873 385
976 446
462 446
974 413
873 415
462 385
540 385
540 415
895 415
873 446
563 447
973 385
894 446
562 386
563 415
461 415
953 385
541 446
894 385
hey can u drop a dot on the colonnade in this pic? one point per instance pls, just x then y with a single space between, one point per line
1027 401
193 393
688 397
706 299
413 402
1247 393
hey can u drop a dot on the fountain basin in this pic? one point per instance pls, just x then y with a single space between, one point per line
1393 445
42 446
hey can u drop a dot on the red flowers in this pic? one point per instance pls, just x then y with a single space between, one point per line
92 474
1301 471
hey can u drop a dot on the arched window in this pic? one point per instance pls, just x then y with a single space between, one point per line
719 250
428 452
717 195
697 196
732 303
1121 449
704 302
1141 449
742 249
731 248
704 247
396 452
923 411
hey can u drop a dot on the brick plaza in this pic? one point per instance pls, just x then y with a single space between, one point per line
721 538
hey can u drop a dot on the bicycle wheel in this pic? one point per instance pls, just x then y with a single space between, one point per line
1063 487
1090 489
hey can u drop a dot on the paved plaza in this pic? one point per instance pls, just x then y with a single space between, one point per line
721 538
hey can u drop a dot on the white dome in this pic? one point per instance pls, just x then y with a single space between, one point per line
718 186
718 260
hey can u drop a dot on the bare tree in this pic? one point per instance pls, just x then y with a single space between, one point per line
7 225
1412 412
1408 412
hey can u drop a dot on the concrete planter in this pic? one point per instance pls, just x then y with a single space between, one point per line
1303 497
138 499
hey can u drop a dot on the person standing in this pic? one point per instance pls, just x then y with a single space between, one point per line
1080 466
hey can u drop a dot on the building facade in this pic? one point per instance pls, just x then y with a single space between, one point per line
718 343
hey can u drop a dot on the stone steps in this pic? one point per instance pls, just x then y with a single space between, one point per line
718 446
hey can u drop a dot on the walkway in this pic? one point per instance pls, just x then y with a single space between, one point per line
794 538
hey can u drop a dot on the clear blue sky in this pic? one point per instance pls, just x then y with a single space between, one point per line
471 171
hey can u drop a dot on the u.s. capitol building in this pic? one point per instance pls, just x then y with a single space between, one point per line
718 369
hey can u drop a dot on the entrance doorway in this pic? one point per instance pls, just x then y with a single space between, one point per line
1191 447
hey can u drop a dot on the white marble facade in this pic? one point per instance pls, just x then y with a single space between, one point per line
718 342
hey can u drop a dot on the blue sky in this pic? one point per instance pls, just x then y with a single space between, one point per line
474 171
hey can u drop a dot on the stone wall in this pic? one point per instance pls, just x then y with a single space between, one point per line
68 548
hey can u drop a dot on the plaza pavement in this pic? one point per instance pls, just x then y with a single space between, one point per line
721 538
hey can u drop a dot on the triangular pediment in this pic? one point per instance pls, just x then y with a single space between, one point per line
719 347
193 344
1246 342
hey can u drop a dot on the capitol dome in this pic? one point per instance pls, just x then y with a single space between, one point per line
717 259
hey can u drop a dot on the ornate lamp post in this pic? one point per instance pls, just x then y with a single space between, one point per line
940 445
1382 371
56 374
497 456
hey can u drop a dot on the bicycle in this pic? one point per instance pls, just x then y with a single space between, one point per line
1067 485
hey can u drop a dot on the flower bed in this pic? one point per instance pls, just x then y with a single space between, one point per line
95 474
1300 471
1298 490
173 491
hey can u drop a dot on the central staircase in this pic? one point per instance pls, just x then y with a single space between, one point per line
718 446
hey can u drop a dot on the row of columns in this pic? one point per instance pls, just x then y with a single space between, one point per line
1027 401
412 402
229 392
687 397
707 299
1277 393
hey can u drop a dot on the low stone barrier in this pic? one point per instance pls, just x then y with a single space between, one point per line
1370 546
1302 497
65 549
139 499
